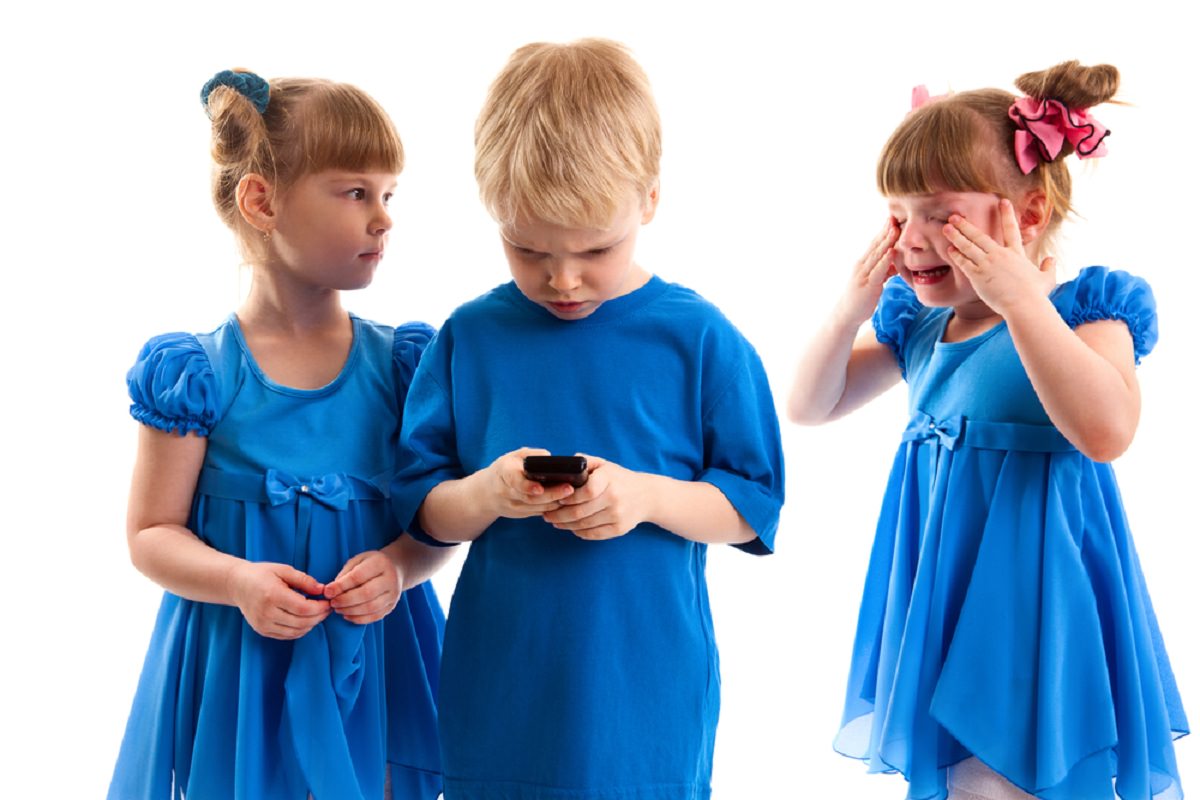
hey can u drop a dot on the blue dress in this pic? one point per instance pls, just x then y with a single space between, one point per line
298 477
1005 614
573 669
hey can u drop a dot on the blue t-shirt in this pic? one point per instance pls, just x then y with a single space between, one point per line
573 668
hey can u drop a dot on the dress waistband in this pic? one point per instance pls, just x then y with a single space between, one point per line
274 487
955 432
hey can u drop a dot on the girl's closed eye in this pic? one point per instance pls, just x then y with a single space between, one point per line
599 251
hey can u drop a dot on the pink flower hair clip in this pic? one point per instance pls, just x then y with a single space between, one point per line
1042 127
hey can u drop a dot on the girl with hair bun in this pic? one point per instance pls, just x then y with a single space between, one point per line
1006 644
296 649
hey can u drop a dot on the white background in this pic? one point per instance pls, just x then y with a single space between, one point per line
773 117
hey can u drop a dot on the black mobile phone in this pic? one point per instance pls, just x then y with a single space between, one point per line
553 470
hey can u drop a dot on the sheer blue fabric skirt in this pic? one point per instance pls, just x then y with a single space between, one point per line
223 712
1005 616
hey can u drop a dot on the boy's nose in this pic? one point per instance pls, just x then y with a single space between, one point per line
563 277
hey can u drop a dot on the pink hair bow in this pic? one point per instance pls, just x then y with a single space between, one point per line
921 96
1043 126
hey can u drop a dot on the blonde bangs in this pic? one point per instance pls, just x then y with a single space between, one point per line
335 126
552 183
937 148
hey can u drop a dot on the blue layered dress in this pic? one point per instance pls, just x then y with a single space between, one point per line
1005 614
297 477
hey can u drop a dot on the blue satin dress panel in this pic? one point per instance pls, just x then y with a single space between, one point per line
299 477
1005 614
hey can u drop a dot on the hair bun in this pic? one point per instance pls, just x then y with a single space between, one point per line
244 82
1073 84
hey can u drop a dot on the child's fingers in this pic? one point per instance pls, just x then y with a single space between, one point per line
288 626
883 268
357 571
597 528
1009 224
570 516
965 264
537 494
963 237
300 581
369 602
297 605
362 597
878 248
371 608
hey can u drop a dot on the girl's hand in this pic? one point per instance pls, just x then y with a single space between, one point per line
861 296
1001 274
610 504
512 494
367 588
272 599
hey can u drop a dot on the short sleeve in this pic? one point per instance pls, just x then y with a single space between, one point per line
173 387
1101 293
427 451
408 346
898 308
743 451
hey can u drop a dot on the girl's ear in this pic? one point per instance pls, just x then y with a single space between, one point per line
256 202
1034 216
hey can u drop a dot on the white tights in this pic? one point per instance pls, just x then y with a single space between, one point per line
971 780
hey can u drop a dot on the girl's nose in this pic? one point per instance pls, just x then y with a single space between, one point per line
381 222
912 237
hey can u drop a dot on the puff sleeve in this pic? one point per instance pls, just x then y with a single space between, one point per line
173 386
1101 293
893 319
408 346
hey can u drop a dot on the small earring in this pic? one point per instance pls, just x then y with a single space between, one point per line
267 235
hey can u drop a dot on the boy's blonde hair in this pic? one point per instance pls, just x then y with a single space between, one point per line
567 132
309 125
964 142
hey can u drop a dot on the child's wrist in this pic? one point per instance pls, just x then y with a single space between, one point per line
656 490
233 581
1027 308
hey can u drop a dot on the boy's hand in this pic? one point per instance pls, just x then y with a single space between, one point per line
513 495
367 588
610 504
272 599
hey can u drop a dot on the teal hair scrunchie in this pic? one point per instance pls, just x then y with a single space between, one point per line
247 84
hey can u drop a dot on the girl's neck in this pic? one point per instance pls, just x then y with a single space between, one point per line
300 336
280 306
969 320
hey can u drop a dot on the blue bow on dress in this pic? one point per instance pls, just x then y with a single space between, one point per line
923 428
332 490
